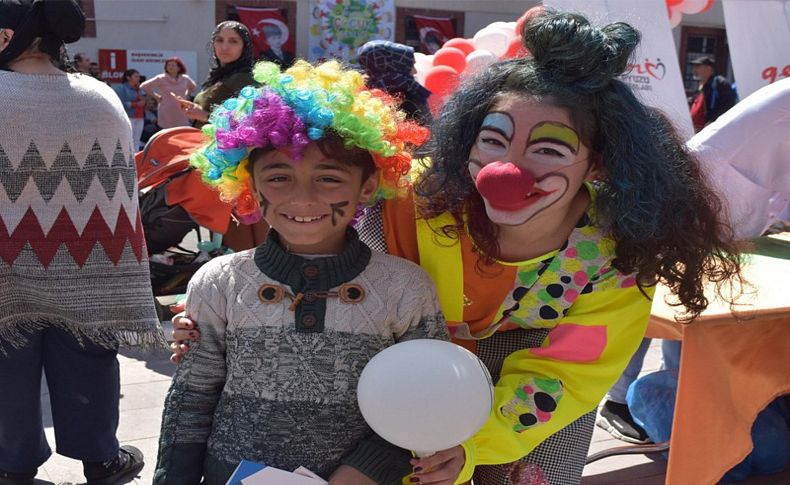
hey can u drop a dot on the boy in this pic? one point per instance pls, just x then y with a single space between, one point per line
287 327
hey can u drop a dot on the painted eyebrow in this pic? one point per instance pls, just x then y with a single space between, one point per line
499 122
554 132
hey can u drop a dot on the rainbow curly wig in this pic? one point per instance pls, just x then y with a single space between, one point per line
292 109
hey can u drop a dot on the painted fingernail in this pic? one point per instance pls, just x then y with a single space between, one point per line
417 469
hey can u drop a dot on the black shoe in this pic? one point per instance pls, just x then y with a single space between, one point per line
617 420
118 470
14 478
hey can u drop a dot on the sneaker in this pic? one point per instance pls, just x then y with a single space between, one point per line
617 420
14 478
117 470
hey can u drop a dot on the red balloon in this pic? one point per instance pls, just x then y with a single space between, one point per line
450 56
464 45
533 12
441 80
707 6
672 3
515 49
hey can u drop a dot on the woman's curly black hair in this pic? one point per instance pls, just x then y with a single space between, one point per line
666 221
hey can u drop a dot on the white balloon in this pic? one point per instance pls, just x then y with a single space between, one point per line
691 6
503 26
478 60
493 40
674 17
425 395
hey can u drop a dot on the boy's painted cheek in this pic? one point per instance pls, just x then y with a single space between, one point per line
338 209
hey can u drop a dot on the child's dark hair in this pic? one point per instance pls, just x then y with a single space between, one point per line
665 219
331 146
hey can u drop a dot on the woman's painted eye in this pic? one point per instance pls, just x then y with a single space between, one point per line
492 142
550 151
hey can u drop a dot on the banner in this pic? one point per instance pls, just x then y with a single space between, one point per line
758 33
113 62
434 32
271 38
655 73
339 27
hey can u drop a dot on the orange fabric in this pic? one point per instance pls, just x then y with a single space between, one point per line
201 201
485 288
731 367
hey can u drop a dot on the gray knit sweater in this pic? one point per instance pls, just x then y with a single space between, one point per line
72 251
278 386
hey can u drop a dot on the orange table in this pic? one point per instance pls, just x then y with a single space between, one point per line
733 364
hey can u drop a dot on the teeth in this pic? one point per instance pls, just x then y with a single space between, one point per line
303 219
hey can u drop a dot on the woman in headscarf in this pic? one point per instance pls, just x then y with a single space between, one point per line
390 67
232 60
74 284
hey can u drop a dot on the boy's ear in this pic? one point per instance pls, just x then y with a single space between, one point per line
369 186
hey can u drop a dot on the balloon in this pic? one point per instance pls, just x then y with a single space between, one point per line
674 17
692 6
515 49
425 395
450 56
479 60
672 3
537 10
464 45
493 40
504 27
441 80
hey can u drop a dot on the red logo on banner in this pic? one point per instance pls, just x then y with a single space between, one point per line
772 73
112 64
270 33
434 32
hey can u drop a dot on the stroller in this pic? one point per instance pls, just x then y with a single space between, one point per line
173 202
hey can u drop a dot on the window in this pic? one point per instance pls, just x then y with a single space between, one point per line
90 17
426 30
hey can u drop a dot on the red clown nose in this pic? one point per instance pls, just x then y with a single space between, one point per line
506 186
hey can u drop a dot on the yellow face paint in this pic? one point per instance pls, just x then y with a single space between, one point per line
555 133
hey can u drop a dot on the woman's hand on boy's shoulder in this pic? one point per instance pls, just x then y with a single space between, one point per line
347 475
441 468
184 330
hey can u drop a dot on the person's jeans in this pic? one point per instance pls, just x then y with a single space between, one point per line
84 393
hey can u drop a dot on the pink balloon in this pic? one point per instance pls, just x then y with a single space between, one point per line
464 45
534 11
450 56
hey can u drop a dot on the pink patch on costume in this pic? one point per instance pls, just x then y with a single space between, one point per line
570 295
543 416
527 474
574 343
628 282
580 278
571 252
528 389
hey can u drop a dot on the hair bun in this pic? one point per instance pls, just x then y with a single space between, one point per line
572 51
63 19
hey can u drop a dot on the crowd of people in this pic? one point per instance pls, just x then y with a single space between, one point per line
546 204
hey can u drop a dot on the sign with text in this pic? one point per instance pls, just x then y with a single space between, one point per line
654 74
149 63
758 34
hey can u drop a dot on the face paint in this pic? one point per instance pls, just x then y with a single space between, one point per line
499 122
557 133
264 203
337 210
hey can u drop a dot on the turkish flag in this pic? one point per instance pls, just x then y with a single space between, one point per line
269 29
434 32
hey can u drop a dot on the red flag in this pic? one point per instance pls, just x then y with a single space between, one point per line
434 32
271 37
